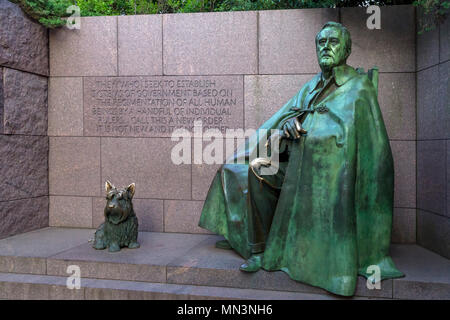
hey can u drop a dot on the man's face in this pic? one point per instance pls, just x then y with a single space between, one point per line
330 48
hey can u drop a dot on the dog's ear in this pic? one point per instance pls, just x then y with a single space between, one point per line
131 188
108 186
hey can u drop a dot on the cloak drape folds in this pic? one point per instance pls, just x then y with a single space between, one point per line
333 217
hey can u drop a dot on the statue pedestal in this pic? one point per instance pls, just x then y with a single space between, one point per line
174 265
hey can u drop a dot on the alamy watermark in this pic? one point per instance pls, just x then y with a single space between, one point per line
260 143
374 20
74 20
74 280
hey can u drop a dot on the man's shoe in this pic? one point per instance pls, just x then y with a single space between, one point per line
253 264
223 244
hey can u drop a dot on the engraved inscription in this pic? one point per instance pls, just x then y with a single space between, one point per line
156 106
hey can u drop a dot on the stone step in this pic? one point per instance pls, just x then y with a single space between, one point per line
193 260
28 286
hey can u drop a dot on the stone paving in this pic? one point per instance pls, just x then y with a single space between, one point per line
182 266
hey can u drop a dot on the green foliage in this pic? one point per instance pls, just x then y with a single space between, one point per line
434 13
50 13
47 12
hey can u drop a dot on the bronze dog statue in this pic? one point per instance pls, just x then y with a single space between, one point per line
120 228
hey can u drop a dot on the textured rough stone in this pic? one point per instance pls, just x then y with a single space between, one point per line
146 162
210 43
444 32
89 51
183 216
148 263
405 173
25 103
23 43
391 48
70 212
433 232
431 179
404 226
34 287
265 95
19 216
140 45
287 39
206 265
426 273
65 107
23 167
433 113
448 177
444 98
150 213
397 99
46 242
74 166
1 100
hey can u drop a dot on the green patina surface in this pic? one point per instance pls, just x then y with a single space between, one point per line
330 216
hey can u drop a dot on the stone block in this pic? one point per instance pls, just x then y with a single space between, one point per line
70 212
1 100
404 226
24 215
144 264
433 232
146 162
404 153
432 106
426 273
210 43
88 51
25 103
427 45
24 42
45 242
448 177
74 166
155 106
32 287
203 173
23 166
431 177
27 265
444 32
140 45
208 266
150 213
397 99
65 107
183 216
391 48
287 39
444 98
265 95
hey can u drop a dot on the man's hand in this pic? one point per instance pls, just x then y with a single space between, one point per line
293 129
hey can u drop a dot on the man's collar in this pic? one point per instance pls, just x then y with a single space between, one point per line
341 75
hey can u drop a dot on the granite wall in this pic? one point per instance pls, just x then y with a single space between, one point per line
433 139
23 122
255 61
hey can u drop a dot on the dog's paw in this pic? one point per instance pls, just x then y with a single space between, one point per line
134 245
114 247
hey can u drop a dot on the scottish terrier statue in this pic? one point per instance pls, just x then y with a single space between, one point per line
120 228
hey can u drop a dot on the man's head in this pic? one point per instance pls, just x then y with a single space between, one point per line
333 45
